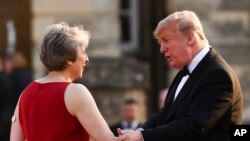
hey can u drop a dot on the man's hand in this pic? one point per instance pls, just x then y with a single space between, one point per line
129 135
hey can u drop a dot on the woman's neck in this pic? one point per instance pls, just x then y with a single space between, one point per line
55 76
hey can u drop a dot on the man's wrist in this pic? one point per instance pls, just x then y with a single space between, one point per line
141 136
139 129
142 139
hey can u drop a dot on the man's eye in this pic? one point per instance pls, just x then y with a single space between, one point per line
163 41
166 40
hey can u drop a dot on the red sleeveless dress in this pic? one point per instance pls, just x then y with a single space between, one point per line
43 115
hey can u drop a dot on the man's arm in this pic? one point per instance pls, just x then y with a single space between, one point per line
212 100
151 122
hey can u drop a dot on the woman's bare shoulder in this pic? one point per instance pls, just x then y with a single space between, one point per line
76 96
77 92
76 88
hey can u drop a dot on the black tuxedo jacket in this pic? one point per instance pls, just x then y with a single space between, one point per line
114 127
208 103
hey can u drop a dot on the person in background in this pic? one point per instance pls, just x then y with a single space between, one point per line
162 97
8 64
20 76
6 101
130 116
53 108
205 97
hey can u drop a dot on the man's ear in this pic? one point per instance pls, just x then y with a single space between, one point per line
191 39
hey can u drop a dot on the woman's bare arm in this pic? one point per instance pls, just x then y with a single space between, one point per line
81 104
16 133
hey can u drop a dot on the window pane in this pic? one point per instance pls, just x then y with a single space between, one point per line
125 29
124 4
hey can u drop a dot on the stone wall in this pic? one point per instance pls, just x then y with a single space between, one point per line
97 16
226 24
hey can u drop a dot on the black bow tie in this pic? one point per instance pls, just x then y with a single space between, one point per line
185 71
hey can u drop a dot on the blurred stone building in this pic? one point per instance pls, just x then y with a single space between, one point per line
124 58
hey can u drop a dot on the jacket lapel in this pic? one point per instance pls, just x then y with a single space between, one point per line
196 74
172 88
182 94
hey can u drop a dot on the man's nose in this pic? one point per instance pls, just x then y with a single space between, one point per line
163 48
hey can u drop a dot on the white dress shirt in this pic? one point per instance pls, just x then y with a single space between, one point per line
196 60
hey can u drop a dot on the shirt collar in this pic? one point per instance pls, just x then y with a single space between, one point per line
196 60
134 124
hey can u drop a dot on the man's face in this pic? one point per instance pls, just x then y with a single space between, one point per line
130 112
174 46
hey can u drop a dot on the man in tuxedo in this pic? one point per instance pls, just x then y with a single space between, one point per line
204 98
130 116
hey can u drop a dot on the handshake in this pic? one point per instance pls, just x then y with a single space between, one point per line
129 135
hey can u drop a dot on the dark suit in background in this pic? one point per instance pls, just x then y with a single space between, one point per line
130 116
6 106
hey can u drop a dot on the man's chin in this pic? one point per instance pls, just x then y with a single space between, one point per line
174 66
171 65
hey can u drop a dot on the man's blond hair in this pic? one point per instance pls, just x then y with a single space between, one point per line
187 22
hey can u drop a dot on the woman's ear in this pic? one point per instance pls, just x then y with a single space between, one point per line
191 39
69 63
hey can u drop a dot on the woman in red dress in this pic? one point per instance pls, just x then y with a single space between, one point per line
53 108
